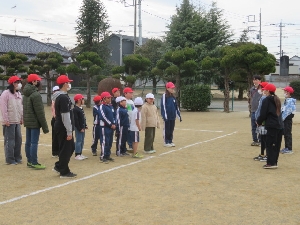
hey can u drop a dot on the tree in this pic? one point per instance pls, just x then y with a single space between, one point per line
92 28
47 65
153 50
88 64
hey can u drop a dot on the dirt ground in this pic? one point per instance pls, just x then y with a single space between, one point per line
210 177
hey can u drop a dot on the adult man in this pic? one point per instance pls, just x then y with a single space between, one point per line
64 127
12 118
254 99
34 119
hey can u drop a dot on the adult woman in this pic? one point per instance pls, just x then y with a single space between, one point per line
12 117
271 114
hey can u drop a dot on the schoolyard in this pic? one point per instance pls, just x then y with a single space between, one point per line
210 177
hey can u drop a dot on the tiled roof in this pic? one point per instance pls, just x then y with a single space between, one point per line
28 46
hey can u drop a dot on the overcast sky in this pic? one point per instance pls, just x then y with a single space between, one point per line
54 21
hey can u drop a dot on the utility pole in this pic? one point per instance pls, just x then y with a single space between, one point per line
134 41
140 24
280 46
260 26
121 47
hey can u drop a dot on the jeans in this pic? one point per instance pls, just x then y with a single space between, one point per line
79 141
31 145
12 143
253 127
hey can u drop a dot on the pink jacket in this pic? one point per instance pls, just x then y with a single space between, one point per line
11 107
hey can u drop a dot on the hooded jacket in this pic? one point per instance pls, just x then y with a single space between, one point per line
289 108
33 109
269 115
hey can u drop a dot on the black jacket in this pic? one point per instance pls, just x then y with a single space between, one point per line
79 118
269 115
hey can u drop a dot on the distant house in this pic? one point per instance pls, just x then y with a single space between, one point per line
116 52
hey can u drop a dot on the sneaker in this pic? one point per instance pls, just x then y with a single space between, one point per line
84 157
104 161
255 143
267 166
287 151
258 158
13 163
19 161
148 152
173 145
79 157
55 170
54 156
68 175
264 159
167 145
153 151
94 153
283 150
110 159
38 166
137 155
125 154
29 164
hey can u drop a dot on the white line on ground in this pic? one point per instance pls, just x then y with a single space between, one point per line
213 131
109 170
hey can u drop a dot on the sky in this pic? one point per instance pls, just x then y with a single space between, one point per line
54 21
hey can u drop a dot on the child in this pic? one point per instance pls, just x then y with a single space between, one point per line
270 112
128 94
150 121
55 147
135 126
261 130
288 110
122 122
116 93
107 126
80 126
169 111
96 126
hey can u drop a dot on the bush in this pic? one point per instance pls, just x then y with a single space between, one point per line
196 97
296 86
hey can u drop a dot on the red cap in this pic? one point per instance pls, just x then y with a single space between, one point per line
33 77
170 85
105 94
78 97
115 90
127 90
13 79
289 89
270 87
97 98
63 79
263 84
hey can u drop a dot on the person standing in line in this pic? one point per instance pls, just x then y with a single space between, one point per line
135 126
64 127
254 97
55 146
116 94
34 119
150 121
80 126
122 127
128 94
12 118
288 111
96 126
169 111
107 126
271 113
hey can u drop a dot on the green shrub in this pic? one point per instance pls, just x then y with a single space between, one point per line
296 86
196 97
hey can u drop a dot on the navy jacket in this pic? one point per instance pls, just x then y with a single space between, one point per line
79 118
106 115
122 117
96 110
169 109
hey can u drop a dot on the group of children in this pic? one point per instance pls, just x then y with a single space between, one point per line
273 122
123 118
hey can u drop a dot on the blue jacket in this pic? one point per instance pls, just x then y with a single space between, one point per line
122 119
169 109
257 112
288 108
106 115
96 110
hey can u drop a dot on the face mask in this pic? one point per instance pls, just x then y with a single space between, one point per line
285 95
19 86
259 92
69 88
38 84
